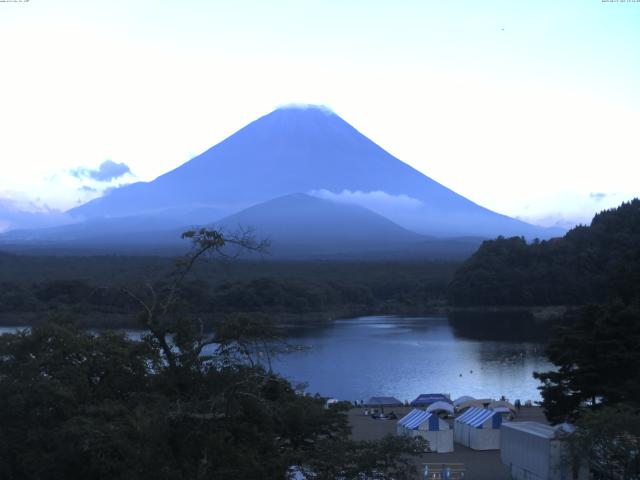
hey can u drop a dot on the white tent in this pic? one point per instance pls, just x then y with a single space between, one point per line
462 399
330 401
533 451
478 428
418 423
467 404
440 407
502 404
501 410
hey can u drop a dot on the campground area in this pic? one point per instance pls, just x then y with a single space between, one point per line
479 465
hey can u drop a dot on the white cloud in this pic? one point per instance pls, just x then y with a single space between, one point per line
570 208
105 172
376 200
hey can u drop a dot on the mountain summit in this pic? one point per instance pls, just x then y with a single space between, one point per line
305 149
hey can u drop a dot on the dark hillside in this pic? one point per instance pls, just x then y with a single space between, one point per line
589 264
35 287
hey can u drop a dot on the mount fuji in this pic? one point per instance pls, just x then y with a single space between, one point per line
301 176
305 150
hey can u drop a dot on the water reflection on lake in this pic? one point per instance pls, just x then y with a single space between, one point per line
354 359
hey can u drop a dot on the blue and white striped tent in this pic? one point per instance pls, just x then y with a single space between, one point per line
478 428
428 426
476 417
417 418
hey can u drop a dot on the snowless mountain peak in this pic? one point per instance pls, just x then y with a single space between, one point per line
304 148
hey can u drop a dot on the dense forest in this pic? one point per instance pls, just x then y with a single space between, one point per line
33 288
590 264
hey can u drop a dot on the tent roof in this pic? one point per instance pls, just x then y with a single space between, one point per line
429 398
501 410
462 399
384 401
533 428
476 416
469 403
502 403
416 417
436 406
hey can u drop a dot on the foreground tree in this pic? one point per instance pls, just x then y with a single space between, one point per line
597 360
389 458
181 403
608 442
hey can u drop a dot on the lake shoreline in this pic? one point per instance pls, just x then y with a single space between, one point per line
355 358
118 320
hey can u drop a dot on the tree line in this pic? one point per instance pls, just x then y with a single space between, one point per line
265 294
589 264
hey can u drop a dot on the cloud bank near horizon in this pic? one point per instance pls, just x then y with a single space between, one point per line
16 214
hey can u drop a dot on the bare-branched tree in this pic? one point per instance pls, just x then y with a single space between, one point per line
182 340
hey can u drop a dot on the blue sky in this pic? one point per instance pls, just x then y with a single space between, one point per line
530 108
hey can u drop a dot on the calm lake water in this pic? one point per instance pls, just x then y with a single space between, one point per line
403 357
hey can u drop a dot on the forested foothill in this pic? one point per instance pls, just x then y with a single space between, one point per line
589 264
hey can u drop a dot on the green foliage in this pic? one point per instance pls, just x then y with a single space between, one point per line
67 395
214 289
597 360
608 442
589 264
183 402
76 405
389 458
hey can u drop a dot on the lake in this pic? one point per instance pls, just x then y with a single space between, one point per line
403 357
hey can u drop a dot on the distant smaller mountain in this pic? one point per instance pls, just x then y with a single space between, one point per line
305 226
136 235
298 226
12 217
